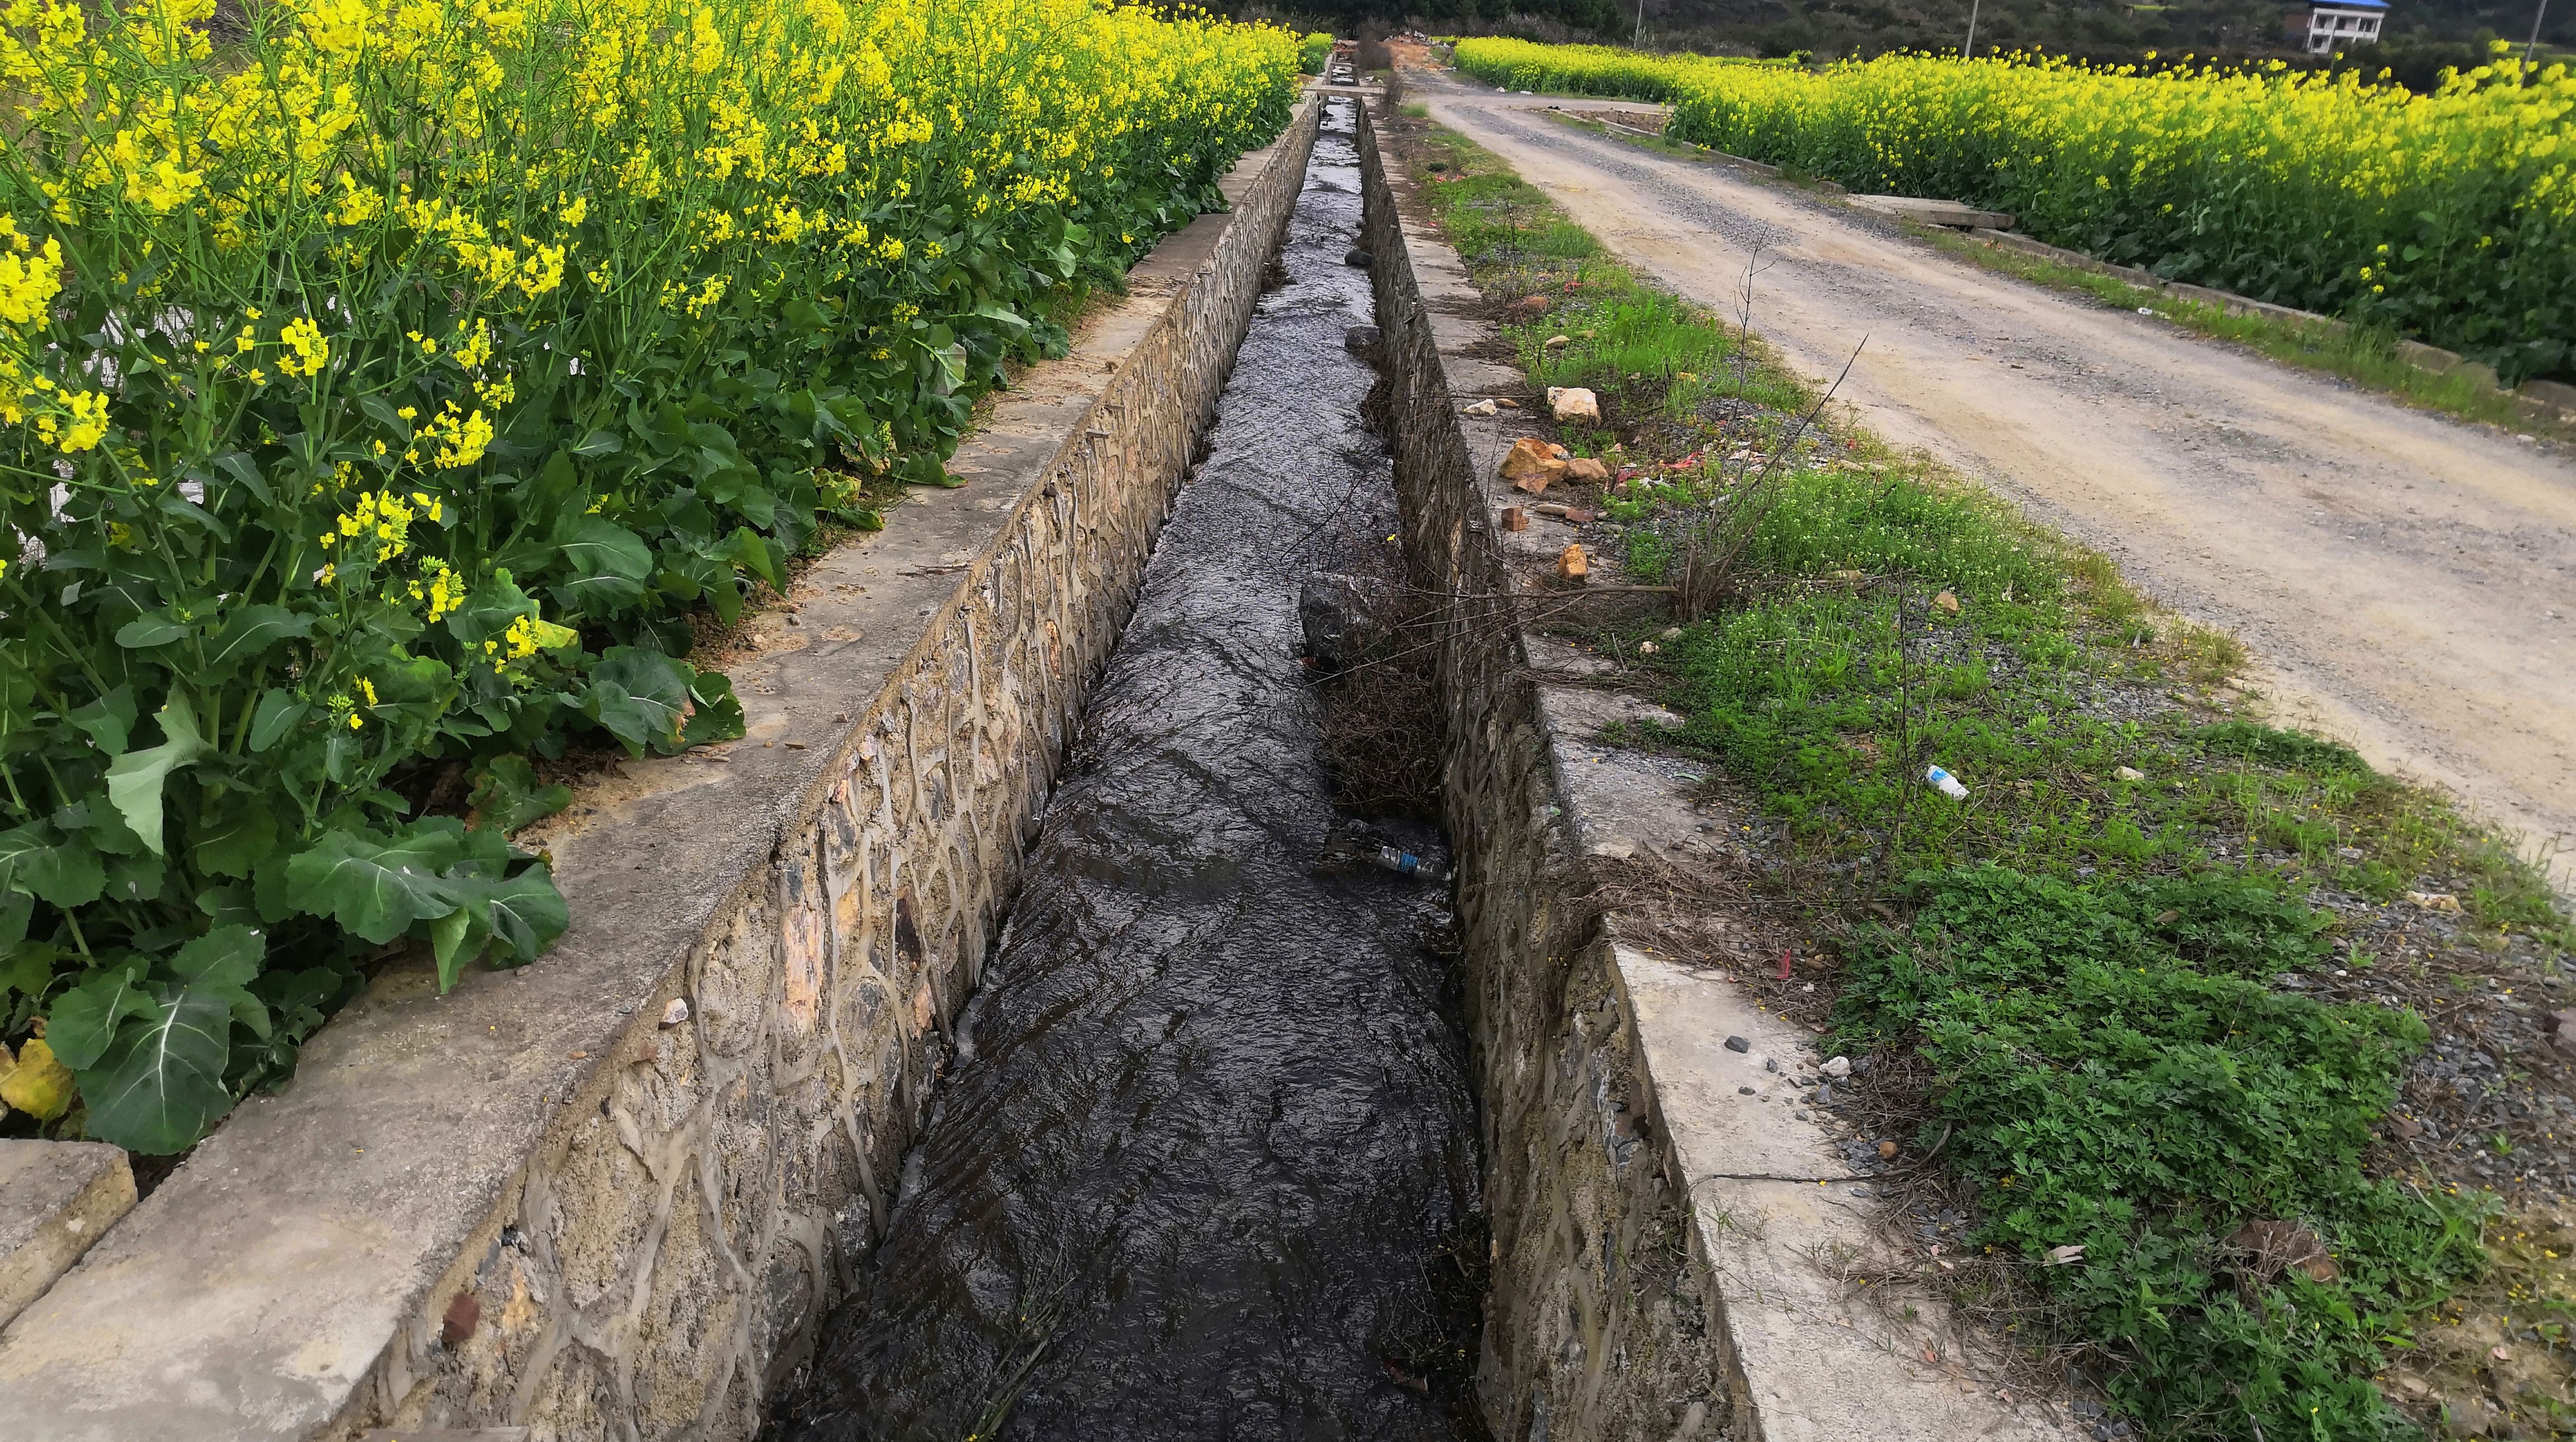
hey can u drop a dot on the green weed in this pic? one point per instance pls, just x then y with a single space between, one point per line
2121 1081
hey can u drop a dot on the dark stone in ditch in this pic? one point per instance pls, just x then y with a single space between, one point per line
1360 258
1342 616
1360 340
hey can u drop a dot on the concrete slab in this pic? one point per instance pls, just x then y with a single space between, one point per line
1721 1132
1832 1351
1935 212
56 1198
1623 801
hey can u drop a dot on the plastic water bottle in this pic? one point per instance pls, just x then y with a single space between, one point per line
1402 863
1347 851
1948 784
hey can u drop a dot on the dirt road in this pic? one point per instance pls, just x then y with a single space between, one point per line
2404 582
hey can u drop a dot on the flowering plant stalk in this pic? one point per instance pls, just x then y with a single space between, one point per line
383 393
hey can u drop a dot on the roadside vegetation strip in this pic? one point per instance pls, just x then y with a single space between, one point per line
2449 217
388 394
1585 69
2131 972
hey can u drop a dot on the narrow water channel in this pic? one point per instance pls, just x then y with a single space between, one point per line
1206 1165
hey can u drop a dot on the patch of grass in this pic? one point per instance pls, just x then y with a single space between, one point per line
2083 949
2525 1308
2122 1081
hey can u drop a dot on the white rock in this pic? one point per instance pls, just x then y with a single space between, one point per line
1574 403
1838 1067
677 1012
2130 773
1480 408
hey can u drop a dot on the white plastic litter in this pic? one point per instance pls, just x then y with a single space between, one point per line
1947 784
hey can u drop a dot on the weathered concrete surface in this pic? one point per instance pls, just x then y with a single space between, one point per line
605 1195
56 1198
1935 212
1677 1246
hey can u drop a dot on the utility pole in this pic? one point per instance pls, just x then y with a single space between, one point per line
1970 53
1641 24
2526 50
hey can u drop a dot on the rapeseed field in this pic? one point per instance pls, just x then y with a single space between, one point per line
387 386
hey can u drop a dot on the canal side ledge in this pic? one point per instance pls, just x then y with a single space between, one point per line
1678 1252
609 1194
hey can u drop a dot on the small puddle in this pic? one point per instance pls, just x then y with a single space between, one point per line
1206 1165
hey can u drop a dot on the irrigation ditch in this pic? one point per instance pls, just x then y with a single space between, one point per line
1247 1135
1205 1165
1036 1043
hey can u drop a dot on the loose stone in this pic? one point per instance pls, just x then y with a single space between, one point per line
1574 403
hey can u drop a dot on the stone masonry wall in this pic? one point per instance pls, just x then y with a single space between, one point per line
608 1195
1596 1326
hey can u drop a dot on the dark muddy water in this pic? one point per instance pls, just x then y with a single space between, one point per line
1206 1166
